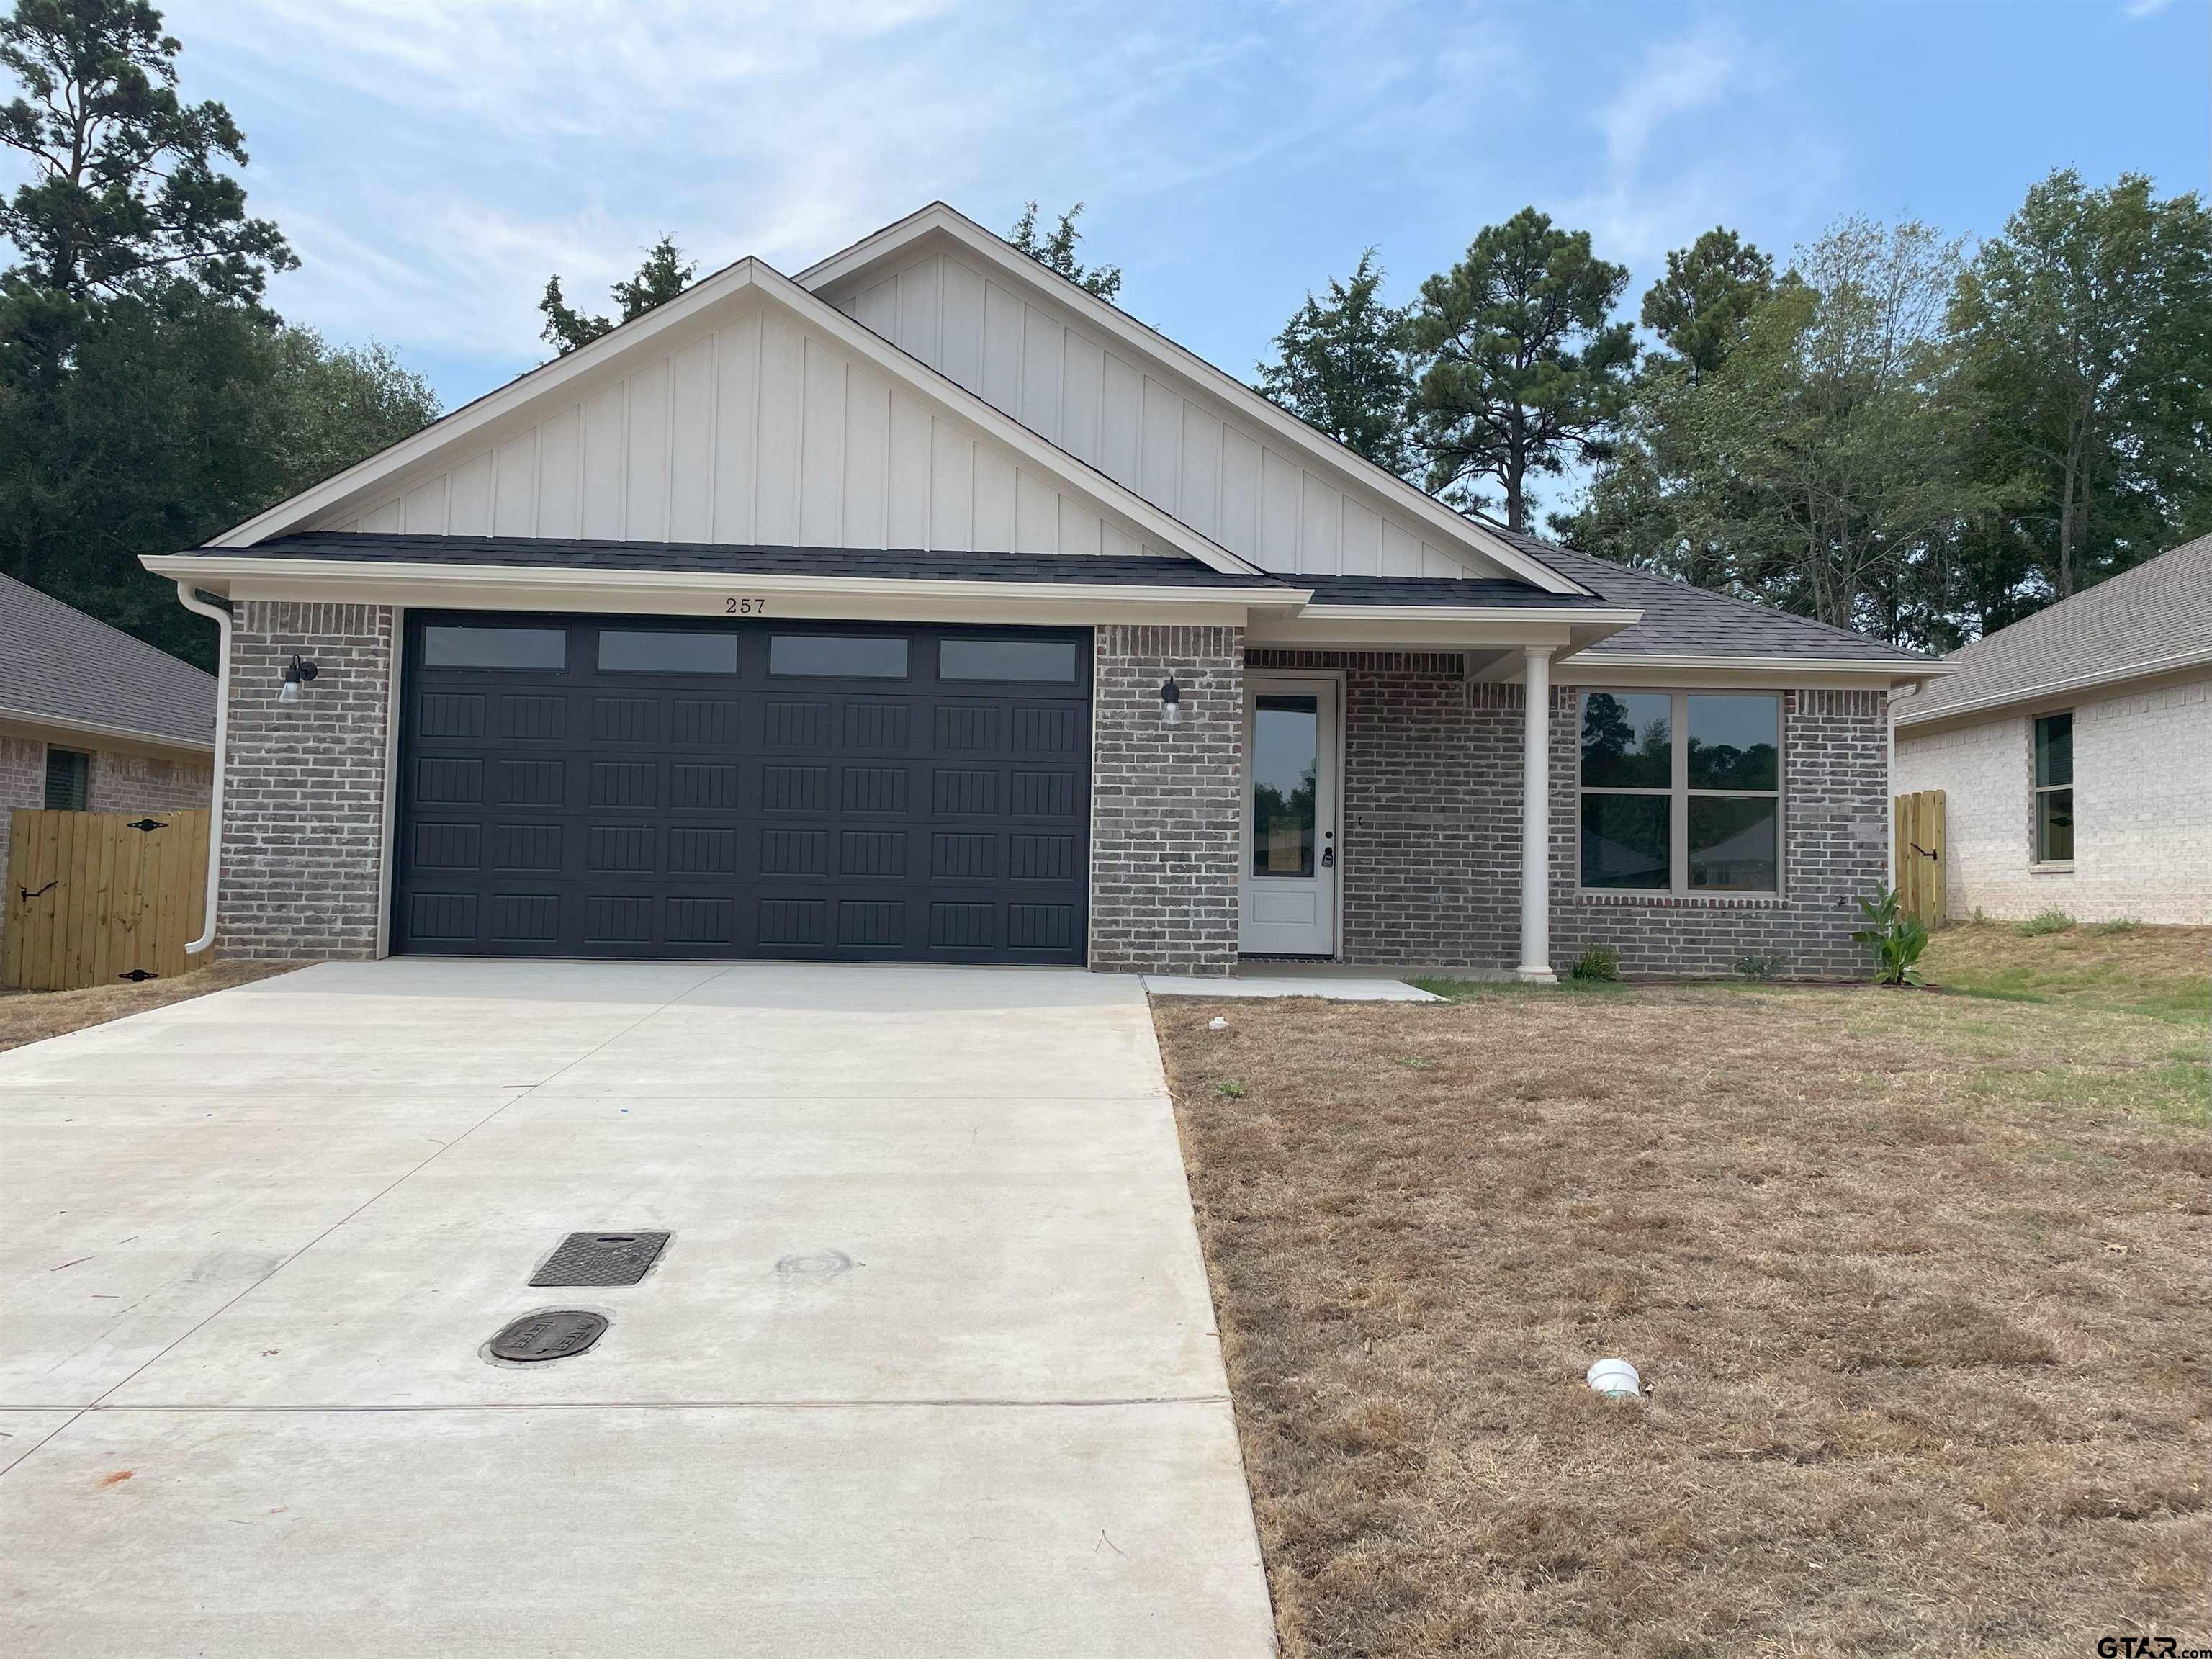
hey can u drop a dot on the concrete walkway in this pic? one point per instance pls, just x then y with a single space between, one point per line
928 1367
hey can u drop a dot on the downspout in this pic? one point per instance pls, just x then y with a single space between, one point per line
219 614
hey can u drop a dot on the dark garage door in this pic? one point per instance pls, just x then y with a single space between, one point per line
619 786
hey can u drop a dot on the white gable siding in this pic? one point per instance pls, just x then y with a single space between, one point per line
756 429
1214 469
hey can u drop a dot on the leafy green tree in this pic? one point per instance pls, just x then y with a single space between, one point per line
665 274
1821 459
1055 250
1702 307
1634 508
1520 368
1340 367
148 398
126 187
2087 330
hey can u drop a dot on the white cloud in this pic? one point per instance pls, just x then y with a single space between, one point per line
433 164
2141 8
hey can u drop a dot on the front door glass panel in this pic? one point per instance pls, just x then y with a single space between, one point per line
1285 761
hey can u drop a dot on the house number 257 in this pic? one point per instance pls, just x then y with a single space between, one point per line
734 606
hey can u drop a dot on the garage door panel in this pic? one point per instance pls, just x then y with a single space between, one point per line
594 811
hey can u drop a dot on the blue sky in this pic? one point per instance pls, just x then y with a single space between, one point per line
432 164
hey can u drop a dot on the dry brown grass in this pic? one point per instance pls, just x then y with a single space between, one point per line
31 1015
1917 1282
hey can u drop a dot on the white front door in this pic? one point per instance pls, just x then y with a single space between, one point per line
1287 893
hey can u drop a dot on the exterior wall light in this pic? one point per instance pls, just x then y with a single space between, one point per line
1171 702
297 673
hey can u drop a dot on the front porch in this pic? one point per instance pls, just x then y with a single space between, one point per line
1393 786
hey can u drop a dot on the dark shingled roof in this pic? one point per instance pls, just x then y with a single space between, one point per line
707 558
2135 622
1477 591
57 663
1679 620
912 565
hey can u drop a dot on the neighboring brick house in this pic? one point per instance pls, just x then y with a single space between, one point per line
2074 750
926 607
93 719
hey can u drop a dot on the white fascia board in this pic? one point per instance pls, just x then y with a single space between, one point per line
2178 662
480 586
1354 470
29 718
1115 501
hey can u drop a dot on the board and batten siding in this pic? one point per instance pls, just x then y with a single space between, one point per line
756 430
1194 458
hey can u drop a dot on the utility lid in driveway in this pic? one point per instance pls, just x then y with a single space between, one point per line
1016 1361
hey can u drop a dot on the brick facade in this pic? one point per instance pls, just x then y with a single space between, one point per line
303 806
132 783
2142 808
1431 830
1167 802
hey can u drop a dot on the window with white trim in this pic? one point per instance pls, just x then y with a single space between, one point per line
2054 788
1663 816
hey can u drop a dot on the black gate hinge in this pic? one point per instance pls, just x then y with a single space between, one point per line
146 826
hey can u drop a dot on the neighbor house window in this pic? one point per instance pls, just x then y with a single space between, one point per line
69 780
1681 791
2054 789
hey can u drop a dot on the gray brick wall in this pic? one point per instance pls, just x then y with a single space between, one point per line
1167 802
303 836
1431 831
131 783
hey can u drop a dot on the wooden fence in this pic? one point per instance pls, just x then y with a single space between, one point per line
95 897
1922 858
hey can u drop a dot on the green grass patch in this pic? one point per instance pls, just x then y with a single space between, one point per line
2047 921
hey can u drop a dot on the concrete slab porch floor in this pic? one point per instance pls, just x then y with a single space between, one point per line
255 1242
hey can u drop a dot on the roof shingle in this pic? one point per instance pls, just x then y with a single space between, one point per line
57 663
2135 622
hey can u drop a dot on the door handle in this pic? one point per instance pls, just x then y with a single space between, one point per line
1328 857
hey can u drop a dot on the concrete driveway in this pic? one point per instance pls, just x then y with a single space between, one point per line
254 1245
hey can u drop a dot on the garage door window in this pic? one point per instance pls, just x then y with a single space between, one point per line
495 648
1036 662
628 651
836 656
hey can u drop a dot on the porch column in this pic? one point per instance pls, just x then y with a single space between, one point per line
1536 821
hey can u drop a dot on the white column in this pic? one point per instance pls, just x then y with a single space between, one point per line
1536 822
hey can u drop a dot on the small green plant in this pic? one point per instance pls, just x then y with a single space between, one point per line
1599 962
1897 937
2117 925
1981 917
2046 921
1419 1062
1759 967
1234 1091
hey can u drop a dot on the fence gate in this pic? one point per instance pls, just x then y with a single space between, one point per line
1921 860
95 897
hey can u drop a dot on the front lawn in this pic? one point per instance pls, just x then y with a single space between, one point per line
1916 1281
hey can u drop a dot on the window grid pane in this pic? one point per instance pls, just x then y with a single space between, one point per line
2054 752
1628 740
2054 826
1625 842
1700 815
659 651
837 656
